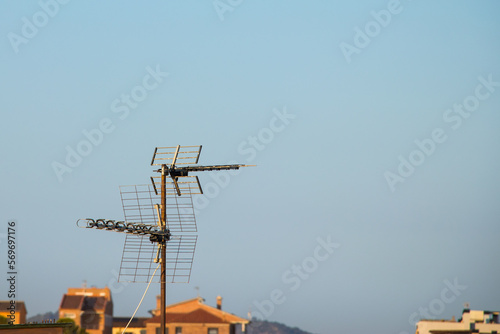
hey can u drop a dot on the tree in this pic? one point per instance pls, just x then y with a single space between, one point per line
74 329
3 320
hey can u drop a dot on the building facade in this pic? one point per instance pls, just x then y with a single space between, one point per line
472 321
89 308
14 311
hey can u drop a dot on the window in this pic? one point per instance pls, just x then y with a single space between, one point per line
178 330
158 330
213 331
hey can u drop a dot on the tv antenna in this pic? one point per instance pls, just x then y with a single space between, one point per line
151 223
175 162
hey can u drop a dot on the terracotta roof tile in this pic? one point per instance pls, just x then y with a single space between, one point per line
5 304
194 311
123 321
71 302
83 302
196 316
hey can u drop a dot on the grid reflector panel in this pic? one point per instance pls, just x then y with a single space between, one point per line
139 254
176 155
139 207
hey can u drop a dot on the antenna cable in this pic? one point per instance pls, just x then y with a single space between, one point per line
144 295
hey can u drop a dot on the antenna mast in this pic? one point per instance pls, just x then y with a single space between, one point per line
158 221
163 250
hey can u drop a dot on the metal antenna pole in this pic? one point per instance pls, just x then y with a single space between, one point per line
163 249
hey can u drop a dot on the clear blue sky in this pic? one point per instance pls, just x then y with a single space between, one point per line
374 126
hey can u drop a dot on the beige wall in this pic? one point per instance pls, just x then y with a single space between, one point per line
20 316
119 330
425 326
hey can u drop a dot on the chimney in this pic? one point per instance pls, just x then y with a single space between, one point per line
219 302
158 305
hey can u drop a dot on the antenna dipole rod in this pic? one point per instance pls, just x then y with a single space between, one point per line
163 248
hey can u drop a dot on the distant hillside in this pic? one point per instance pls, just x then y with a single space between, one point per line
41 317
268 327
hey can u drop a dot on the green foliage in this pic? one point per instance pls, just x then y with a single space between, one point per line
74 329
3 320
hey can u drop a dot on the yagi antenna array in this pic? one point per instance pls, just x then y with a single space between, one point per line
154 214
178 162
120 226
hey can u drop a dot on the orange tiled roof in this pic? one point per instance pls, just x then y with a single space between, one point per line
6 304
71 302
83 302
123 321
194 311
197 316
